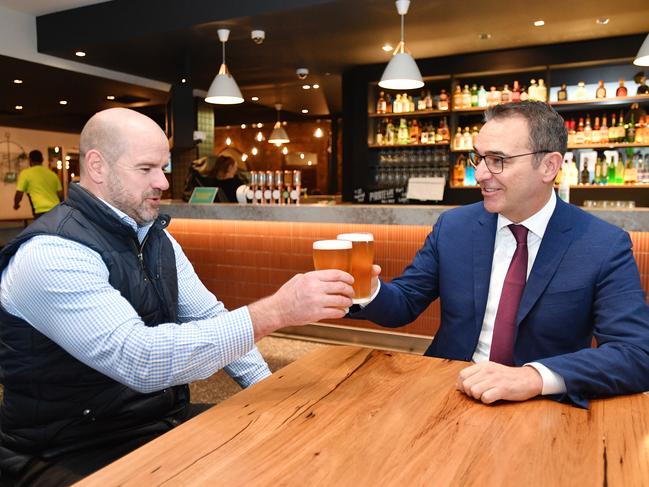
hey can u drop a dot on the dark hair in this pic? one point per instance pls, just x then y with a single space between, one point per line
36 156
222 164
547 130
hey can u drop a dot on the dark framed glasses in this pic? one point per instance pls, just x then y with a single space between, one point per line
495 164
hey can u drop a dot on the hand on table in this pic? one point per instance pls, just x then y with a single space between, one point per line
305 298
490 381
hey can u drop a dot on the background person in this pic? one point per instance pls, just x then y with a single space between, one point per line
42 186
525 280
103 320
227 180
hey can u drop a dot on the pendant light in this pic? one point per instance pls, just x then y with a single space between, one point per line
642 58
224 90
278 136
402 72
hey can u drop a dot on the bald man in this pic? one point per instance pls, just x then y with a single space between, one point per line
103 321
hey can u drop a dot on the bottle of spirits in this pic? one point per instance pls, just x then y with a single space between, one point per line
621 90
421 101
524 95
570 128
531 91
516 91
443 101
579 138
588 131
428 101
562 94
388 103
612 130
482 96
403 136
390 138
457 97
630 131
474 95
474 135
581 93
631 171
601 90
603 131
445 136
415 132
381 106
600 171
621 129
493 97
468 138
379 138
397 106
619 171
506 94
423 138
469 175
458 140
596 136
584 176
466 97
541 91
411 103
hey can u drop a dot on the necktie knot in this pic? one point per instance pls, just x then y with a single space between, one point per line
520 233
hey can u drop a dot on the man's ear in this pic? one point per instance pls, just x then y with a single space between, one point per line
96 166
550 166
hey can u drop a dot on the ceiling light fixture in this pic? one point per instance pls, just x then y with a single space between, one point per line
63 102
603 20
318 133
539 23
254 151
19 107
259 137
80 54
244 157
642 58
305 110
484 36
315 87
224 89
387 47
243 126
285 150
260 125
278 136
306 87
228 141
402 72
18 81
254 98
110 97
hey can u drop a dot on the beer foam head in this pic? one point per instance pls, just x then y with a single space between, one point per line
331 245
356 237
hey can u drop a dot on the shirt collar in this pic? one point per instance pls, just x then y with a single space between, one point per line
140 230
538 222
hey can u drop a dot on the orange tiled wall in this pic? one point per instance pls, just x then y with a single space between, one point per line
241 261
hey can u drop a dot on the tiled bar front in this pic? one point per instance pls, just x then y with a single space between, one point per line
243 254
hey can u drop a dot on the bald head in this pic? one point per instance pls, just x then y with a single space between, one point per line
111 132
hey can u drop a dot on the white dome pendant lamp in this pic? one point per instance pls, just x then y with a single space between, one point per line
224 90
278 136
402 72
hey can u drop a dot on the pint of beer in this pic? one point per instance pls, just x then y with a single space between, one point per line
362 260
332 254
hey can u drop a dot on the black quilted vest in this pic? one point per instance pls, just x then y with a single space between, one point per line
54 404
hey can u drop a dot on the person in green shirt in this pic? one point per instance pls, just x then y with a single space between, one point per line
41 185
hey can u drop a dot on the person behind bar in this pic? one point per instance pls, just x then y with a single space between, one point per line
226 177
525 280
42 186
103 320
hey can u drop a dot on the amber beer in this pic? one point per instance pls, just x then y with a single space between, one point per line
332 254
362 260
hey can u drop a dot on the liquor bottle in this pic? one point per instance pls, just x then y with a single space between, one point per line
428 101
621 90
630 131
457 97
531 91
493 97
596 136
388 103
579 138
458 140
390 138
516 91
619 171
621 129
610 172
612 130
600 171
421 101
584 176
603 132
423 138
411 103
381 106
601 90
581 93
640 131
445 136
524 95
474 135
443 101
403 136
466 97
506 94
474 95
482 96
469 175
379 139
562 94
458 172
397 106
630 171
415 132
467 138
541 91
588 131
571 133
431 133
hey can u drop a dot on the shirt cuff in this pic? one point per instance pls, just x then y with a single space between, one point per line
553 383
376 292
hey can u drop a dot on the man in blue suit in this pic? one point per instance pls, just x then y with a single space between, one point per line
526 280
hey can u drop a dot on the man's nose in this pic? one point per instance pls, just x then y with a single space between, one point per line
481 171
160 181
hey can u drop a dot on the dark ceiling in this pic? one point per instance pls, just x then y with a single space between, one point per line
168 40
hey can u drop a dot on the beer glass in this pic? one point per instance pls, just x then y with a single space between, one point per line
332 254
362 260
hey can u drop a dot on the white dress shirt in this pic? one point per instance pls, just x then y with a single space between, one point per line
504 247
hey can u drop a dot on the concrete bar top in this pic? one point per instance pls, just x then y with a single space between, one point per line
636 219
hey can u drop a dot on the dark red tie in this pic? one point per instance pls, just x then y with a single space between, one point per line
502 344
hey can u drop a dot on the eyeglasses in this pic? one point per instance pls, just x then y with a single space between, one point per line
495 163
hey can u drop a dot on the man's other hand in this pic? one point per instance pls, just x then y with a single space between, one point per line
489 382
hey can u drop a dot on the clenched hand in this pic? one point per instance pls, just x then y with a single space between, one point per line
489 381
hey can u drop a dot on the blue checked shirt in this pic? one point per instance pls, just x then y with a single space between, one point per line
61 288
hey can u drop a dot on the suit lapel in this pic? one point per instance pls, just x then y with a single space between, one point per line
484 236
556 241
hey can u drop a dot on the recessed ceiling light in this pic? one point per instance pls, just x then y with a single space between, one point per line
183 80
243 125
63 102
19 107
603 20
80 53
18 81
484 36
387 47
306 87
304 110
539 23
110 97
260 125
255 98
315 87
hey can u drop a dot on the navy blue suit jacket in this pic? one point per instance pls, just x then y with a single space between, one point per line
584 283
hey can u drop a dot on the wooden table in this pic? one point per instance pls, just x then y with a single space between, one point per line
353 416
